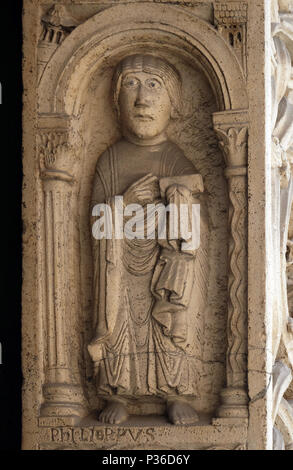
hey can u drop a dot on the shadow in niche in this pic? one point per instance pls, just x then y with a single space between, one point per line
11 166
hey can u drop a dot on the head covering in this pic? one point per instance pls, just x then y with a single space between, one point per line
149 64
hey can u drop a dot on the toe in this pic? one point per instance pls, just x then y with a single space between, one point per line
121 417
111 420
101 417
176 418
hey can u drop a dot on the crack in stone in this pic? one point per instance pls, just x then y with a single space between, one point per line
262 393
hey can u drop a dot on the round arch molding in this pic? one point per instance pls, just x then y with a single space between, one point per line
113 33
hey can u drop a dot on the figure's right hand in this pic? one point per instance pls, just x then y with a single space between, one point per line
144 191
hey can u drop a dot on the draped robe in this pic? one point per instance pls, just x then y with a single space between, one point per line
148 299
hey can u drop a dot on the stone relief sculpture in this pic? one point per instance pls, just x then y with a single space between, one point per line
156 344
149 293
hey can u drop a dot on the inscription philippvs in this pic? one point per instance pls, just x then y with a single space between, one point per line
97 434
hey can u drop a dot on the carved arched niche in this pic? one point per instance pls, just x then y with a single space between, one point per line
75 103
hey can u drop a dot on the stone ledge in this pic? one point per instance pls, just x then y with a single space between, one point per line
148 432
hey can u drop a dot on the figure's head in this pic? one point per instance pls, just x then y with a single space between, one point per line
147 93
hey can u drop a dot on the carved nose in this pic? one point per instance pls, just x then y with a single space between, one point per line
141 99
141 104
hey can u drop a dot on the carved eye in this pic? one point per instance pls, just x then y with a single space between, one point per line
130 82
153 84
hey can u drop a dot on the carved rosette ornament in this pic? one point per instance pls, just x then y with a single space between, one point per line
62 397
232 131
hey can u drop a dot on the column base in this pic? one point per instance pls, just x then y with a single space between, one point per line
234 404
62 400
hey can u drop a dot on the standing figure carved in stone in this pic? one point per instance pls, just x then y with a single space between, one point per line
149 292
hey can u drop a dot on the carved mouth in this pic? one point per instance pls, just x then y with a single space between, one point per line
144 117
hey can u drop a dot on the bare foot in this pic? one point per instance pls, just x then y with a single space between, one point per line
180 412
115 412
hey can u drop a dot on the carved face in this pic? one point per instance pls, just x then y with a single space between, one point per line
144 103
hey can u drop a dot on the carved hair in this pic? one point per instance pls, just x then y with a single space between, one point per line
154 65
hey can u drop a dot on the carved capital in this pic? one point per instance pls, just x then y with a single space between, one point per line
231 128
53 150
59 148
233 142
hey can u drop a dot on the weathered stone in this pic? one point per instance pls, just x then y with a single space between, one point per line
143 344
